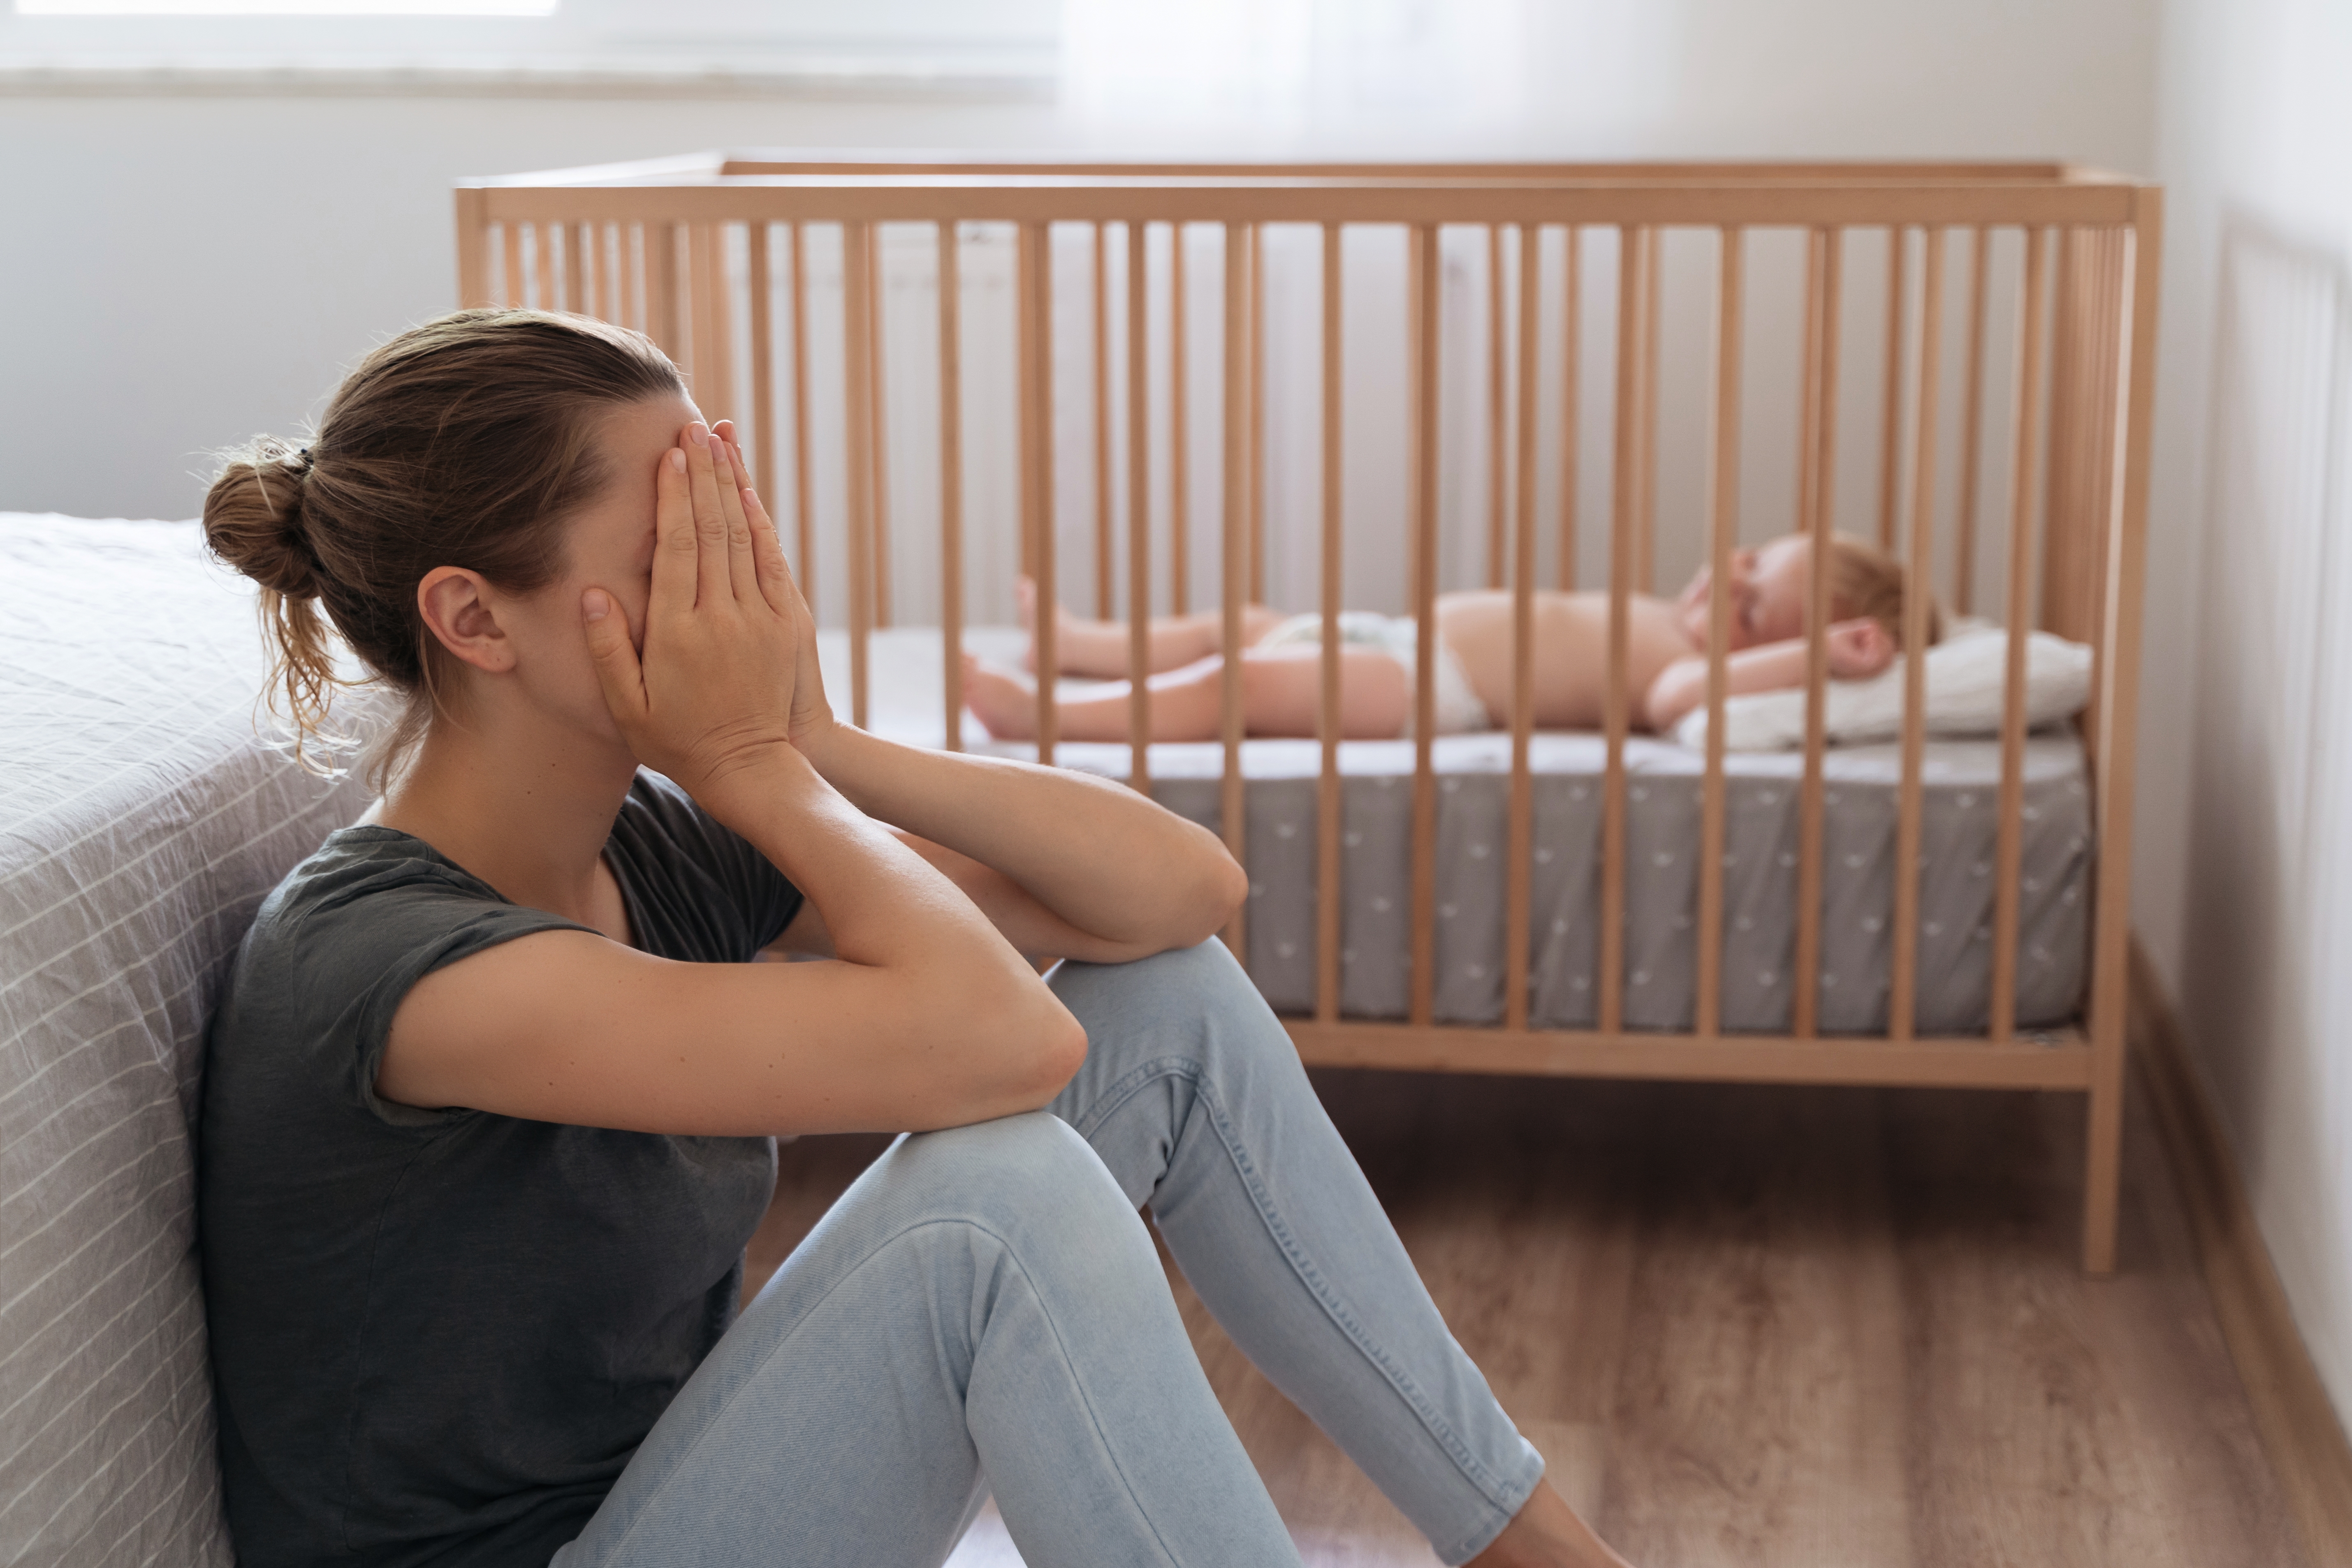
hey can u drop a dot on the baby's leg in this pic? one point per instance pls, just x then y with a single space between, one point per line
1099 648
1281 695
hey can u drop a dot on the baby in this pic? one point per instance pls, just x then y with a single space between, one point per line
1282 657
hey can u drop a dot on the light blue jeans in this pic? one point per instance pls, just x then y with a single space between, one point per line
983 1310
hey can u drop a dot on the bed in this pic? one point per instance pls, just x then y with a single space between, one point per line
1153 388
141 824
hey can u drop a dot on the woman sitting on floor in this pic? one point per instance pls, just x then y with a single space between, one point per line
489 1105
1281 678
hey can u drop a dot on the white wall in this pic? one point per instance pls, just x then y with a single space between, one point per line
178 272
2255 422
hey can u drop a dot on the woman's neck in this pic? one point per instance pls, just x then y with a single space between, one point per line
520 803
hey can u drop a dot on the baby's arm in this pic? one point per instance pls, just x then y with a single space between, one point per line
1857 648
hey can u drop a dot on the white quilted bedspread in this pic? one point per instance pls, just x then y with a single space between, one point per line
141 824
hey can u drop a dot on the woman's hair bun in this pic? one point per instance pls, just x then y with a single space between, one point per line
253 517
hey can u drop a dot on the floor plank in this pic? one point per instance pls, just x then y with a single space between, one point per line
1772 1326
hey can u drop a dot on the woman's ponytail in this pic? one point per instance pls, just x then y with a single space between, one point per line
253 521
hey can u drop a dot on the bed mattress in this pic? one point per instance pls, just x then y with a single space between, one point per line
1958 834
141 824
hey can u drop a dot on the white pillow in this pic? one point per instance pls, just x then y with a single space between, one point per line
1967 673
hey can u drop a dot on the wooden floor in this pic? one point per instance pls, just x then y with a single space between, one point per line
1774 1326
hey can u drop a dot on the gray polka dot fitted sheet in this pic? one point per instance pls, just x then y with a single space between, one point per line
1960 832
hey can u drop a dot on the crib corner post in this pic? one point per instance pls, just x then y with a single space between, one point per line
2124 564
2103 1149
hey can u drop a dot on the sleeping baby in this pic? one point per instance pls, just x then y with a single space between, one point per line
1281 657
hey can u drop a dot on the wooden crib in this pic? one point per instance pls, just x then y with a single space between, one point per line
1998 436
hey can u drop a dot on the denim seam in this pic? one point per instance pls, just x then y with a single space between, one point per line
1119 1093
1012 1256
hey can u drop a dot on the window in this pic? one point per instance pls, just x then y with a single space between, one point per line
508 45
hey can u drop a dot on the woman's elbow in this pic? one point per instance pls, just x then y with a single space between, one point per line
1227 887
1038 1043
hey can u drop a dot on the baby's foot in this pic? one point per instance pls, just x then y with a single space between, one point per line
1025 594
1003 700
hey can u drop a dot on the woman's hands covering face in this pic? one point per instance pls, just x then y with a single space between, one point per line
727 676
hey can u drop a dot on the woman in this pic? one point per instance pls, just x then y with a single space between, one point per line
1282 675
490 1102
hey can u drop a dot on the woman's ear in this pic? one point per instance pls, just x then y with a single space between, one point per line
456 608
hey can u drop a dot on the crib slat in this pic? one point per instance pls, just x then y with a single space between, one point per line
1645 571
1902 994
1518 887
1570 357
1036 311
1233 560
1139 506
1723 532
877 308
763 355
510 281
1426 273
723 324
473 205
1890 430
633 274
2065 419
661 288
587 268
1180 445
1964 575
803 485
1255 430
544 239
1327 805
950 291
702 322
608 271
722 328
857 409
1498 411
1824 268
2025 424
1633 310
1103 563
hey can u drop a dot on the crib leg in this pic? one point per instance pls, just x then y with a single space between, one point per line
2103 1162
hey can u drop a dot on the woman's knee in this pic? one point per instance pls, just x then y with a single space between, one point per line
1009 1175
1196 1002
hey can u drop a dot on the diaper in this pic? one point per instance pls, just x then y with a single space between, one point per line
1457 707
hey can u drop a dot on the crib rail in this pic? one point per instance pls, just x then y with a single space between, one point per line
1984 417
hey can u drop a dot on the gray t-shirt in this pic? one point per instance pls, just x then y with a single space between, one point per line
438 1335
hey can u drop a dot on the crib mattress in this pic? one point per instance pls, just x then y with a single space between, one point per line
1958 834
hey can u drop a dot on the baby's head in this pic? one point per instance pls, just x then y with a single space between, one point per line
1768 592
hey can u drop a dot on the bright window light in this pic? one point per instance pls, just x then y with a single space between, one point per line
286 7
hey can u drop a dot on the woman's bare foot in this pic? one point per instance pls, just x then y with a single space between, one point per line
1547 1534
1004 702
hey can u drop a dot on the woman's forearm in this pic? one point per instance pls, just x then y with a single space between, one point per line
883 905
1094 853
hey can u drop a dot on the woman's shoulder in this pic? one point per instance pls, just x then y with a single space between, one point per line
362 879
329 954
